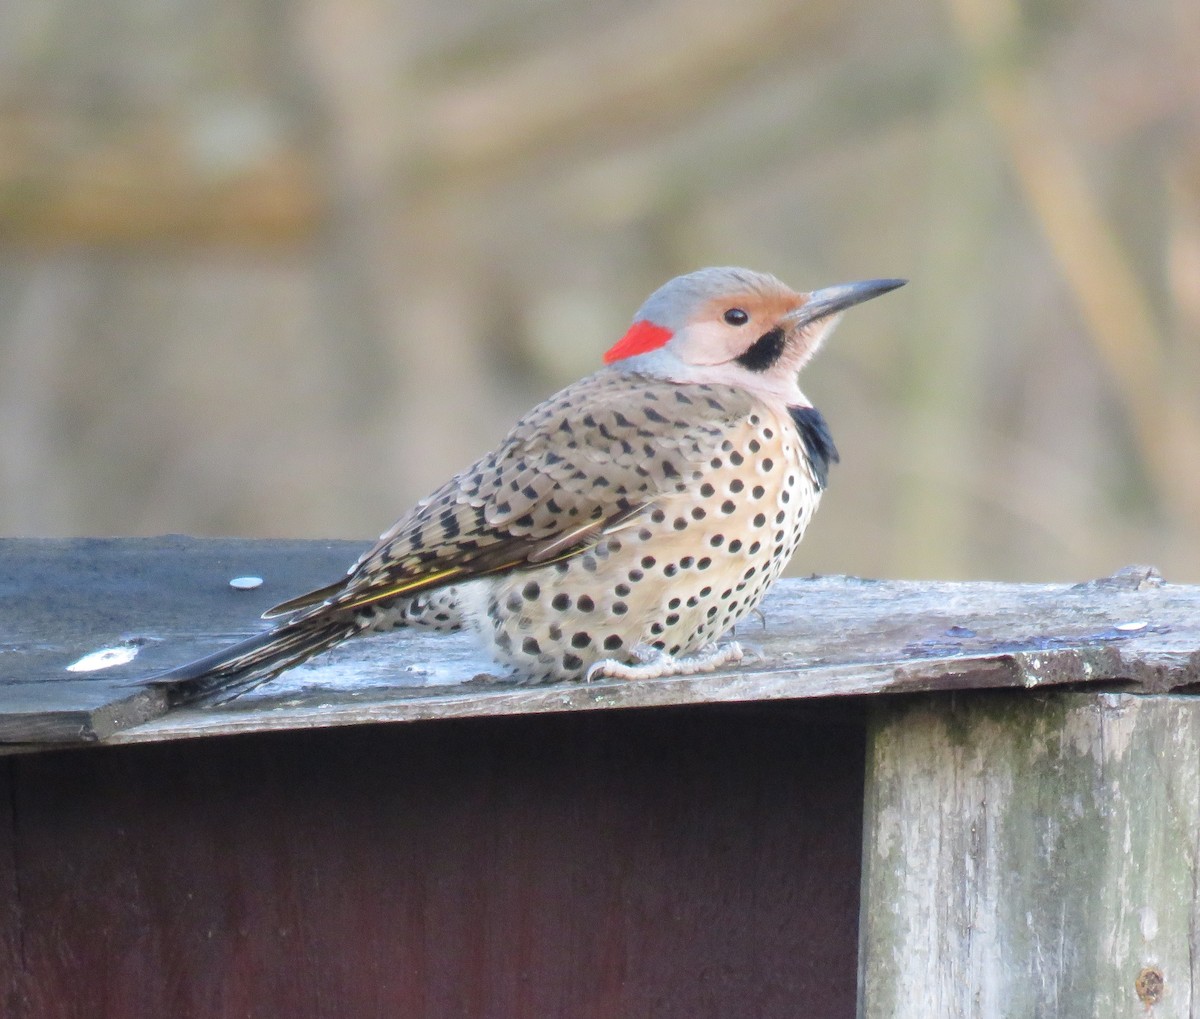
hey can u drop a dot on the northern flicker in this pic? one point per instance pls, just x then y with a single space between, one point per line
623 525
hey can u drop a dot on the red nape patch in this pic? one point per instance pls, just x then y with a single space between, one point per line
642 336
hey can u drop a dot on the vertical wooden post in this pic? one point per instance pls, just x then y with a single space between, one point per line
1032 855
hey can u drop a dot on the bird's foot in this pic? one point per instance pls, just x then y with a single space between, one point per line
654 663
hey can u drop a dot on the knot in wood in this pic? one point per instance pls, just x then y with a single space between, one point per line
1149 985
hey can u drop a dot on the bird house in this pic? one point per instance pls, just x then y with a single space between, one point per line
912 800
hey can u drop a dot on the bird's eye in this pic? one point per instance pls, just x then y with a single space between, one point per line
736 317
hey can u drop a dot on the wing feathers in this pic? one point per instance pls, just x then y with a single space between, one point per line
585 462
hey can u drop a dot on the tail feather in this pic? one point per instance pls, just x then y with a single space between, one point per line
241 667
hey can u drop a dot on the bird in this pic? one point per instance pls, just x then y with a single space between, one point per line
623 526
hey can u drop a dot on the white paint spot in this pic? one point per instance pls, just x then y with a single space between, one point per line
1149 921
105 658
1141 624
246 583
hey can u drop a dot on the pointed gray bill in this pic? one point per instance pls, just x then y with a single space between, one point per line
830 300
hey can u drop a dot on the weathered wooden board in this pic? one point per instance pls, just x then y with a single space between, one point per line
169 600
166 599
1032 856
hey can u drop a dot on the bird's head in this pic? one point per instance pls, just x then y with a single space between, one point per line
737 327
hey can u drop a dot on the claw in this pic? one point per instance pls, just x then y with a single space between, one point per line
753 653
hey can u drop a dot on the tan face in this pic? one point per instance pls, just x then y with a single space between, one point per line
726 326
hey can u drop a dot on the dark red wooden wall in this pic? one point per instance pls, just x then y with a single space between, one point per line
669 863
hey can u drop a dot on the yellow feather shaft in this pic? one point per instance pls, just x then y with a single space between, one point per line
373 595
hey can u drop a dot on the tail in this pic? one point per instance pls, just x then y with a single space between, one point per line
241 667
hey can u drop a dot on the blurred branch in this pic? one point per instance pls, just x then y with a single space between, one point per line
155 175
1096 268
637 68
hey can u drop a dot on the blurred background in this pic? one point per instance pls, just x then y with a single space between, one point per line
278 268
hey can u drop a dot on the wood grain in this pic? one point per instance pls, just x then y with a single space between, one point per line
824 636
1032 855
